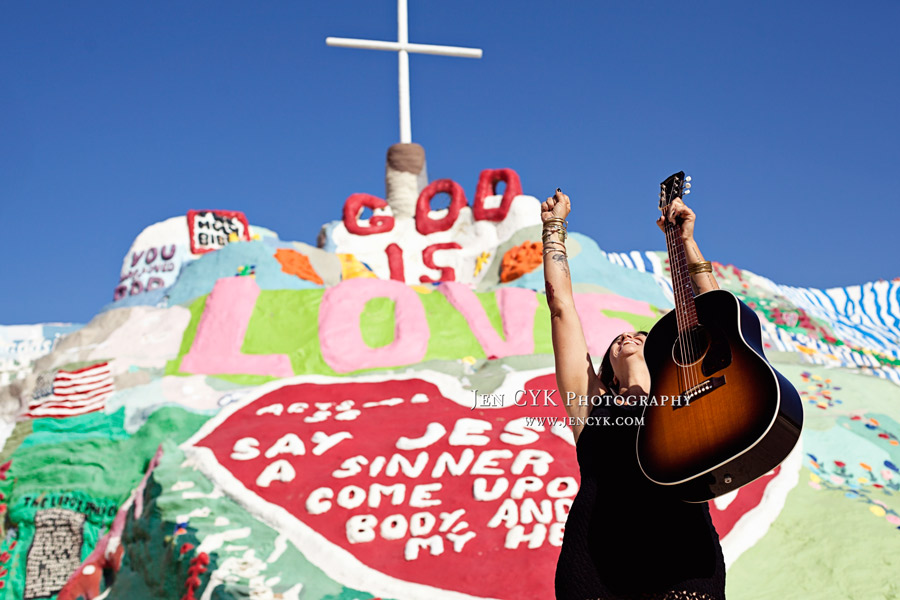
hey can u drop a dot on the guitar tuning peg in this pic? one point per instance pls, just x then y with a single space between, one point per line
687 186
688 178
686 192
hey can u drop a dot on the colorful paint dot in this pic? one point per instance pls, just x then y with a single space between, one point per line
877 511
865 466
893 519
814 478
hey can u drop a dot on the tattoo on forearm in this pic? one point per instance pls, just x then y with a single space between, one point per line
549 289
560 258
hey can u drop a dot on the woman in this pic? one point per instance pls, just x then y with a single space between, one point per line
624 538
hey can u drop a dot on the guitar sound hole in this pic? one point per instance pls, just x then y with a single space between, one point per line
691 346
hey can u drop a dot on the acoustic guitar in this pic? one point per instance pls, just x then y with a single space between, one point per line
722 416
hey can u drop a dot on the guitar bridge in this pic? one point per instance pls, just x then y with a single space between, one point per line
699 390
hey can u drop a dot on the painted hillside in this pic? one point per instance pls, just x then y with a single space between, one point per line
354 418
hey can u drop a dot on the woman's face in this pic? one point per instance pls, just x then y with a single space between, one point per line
626 345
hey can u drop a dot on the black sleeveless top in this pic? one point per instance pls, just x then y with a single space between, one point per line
624 538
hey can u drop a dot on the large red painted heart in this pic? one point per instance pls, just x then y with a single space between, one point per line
397 486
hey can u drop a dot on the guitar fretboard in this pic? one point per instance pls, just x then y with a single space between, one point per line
685 310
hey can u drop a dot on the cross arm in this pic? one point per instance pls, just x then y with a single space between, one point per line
396 46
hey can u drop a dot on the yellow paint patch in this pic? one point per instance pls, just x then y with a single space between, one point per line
352 267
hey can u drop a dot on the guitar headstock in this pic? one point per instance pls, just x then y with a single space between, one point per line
675 186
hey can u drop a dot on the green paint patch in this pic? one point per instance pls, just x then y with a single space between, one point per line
639 322
245 380
83 427
376 322
451 337
834 552
543 339
488 302
173 367
153 566
100 467
84 520
287 322
86 466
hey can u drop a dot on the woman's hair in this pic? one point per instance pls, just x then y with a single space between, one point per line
606 374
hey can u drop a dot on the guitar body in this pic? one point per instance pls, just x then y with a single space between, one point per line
740 417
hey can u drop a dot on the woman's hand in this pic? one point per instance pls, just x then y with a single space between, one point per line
556 206
682 217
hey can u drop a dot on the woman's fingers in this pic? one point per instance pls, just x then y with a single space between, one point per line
661 223
679 211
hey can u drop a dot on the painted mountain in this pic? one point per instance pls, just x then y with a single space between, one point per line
374 415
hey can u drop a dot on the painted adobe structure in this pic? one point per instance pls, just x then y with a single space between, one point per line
253 417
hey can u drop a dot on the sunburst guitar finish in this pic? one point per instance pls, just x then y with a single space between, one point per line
723 419
720 415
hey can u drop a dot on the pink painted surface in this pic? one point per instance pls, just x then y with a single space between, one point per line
340 337
220 334
517 307
599 330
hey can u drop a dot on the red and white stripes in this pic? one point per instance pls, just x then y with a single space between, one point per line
75 393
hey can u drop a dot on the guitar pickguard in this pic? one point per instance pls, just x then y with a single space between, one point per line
718 356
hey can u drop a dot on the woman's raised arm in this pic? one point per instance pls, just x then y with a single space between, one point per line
702 278
575 374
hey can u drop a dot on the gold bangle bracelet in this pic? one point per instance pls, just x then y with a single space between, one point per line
548 231
700 267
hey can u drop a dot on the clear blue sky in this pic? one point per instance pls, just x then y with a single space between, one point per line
116 115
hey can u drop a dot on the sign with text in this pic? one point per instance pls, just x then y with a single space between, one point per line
55 552
213 229
402 486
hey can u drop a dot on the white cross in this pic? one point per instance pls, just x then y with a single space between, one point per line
403 48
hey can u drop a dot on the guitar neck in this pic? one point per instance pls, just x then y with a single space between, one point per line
685 310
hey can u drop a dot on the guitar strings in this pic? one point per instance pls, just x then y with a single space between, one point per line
685 378
686 314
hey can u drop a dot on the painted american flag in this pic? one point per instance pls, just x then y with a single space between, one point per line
73 393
